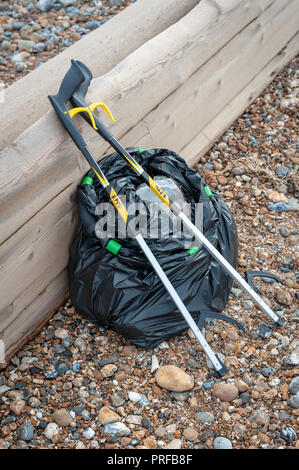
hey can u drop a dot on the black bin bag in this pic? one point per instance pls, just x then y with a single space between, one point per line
121 291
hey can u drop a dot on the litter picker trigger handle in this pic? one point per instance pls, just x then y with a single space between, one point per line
71 81
78 99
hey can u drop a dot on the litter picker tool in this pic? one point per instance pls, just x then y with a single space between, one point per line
69 84
78 100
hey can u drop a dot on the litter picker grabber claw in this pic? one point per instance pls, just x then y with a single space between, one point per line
70 82
78 99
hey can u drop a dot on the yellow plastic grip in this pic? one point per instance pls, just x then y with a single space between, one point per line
118 205
158 191
89 109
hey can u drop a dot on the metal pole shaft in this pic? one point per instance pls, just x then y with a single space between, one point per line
173 294
228 268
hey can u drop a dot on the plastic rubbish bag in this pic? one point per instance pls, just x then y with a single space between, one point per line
112 283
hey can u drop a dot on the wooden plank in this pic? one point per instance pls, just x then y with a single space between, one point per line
224 119
35 316
26 100
29 273
32 173
181 116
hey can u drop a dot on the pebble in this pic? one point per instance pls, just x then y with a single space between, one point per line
205 417
222 443
88 433
294 386
190 434
107 416
108 370
26 431
45 5
52 432
174 379
289 435
175 444
155 364
62 417
225 392
119 429
294 401
267 371
282 171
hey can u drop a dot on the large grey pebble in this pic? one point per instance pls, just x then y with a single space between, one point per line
222 443
294 386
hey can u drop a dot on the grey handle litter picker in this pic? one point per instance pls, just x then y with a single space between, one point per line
70 82
78 99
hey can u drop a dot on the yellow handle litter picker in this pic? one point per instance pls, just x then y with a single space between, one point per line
70 83
78 99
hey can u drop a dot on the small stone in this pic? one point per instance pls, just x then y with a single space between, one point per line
294 401
107 416
91 25
117 399
190 434
260 417
26 431
180 396
294 386
174 379
225 392
175 444
134 396
222 443
61 333
52 432
284 232
267 371
134 419
275 196
264 331
145 422
17 407
44 5
282 171
150 443
117 429
160 431
205 417
283 297
240 429
129 350
155 364
88 433
108 370
62 417
278 206
26 44
289 435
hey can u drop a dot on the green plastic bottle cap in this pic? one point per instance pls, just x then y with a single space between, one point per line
142 150
193 250
208 191
113 247
86 180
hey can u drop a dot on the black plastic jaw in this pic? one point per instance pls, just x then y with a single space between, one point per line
279 322
220 372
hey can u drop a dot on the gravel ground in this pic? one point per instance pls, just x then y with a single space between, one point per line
32 31
75 386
